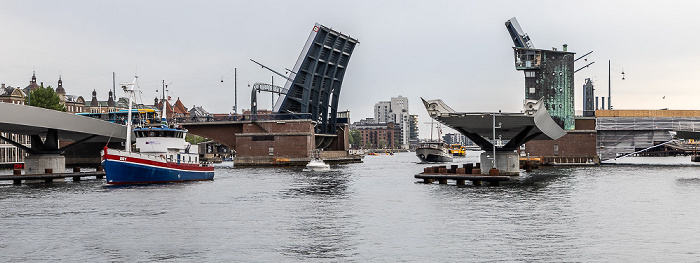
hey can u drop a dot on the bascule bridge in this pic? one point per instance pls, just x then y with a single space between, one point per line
305 116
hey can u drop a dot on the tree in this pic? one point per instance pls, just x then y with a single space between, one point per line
194 139
355 138
383 143
46 98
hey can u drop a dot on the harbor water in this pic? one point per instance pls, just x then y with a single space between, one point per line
367 212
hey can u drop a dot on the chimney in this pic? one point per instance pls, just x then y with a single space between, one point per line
3 85
565 47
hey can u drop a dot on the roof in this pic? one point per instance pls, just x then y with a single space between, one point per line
11 91
75 99
179 107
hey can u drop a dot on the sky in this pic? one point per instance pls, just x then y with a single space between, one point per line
457 51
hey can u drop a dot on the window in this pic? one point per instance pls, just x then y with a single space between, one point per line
529 74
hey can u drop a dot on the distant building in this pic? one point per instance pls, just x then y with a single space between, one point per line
361 122
10 154
32 85
395 111
199 114
12 95
96 106
414 133
376 135
457 138
73 103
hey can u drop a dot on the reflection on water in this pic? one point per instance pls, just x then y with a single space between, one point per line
320 224
371 212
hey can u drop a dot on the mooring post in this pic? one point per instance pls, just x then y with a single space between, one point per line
427 181
442 181
461 181
99 169
76 170
48 171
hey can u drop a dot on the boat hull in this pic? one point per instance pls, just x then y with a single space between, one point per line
131 170
433 155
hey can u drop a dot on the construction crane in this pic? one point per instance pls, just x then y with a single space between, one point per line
263 87
520 39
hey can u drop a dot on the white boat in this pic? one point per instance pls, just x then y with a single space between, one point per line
317 164
433 152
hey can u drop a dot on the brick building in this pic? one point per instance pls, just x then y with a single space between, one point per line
376 135
577 146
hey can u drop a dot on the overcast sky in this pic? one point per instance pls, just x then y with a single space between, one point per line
459 51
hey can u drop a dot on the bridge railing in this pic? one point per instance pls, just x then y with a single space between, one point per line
241 117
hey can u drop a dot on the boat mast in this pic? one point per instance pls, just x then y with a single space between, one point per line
129 90
164 118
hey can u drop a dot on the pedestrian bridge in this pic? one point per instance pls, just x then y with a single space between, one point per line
53 126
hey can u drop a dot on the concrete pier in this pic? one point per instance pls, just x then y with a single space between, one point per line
41 163
507 163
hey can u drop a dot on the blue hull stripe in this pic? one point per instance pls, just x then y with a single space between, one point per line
127 172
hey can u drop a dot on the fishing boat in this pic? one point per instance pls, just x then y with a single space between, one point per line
162 155
433 152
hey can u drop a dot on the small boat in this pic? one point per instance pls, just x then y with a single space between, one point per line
163 157
433 152
317 164
457 150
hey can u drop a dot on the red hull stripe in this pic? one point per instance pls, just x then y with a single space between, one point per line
184 167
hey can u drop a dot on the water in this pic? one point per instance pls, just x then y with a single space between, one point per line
369 212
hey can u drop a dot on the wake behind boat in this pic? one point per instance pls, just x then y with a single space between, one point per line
164 156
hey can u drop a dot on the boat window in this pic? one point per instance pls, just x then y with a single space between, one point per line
151 134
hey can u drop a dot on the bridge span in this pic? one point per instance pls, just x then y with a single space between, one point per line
46 127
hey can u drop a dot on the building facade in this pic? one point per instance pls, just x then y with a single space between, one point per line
457 138
396 111
378 135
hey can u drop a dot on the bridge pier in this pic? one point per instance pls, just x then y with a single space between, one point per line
507 162
40 163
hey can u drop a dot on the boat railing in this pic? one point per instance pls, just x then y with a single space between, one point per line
139 155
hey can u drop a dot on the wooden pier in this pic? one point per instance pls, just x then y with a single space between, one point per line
468 172
49 176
